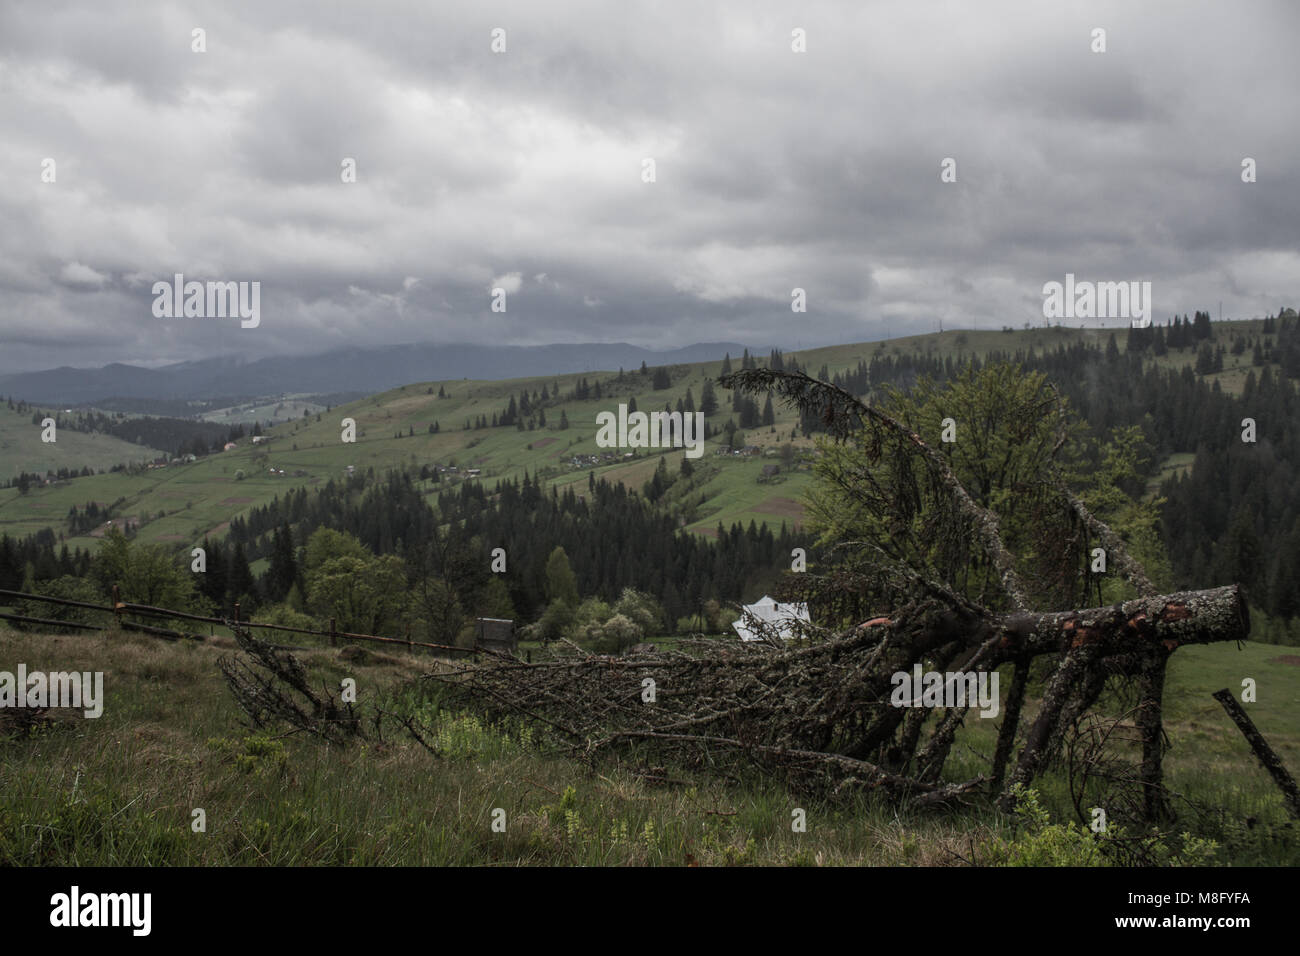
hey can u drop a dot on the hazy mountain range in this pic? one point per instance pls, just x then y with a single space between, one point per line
345 370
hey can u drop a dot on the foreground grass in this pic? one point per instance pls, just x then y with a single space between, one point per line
122 789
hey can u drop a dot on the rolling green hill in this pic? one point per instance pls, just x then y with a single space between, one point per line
179 504
21 448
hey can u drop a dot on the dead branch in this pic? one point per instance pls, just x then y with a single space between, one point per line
269 684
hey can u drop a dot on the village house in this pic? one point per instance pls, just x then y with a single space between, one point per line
765 613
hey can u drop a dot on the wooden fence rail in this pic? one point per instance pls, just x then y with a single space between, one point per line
163 632
119 608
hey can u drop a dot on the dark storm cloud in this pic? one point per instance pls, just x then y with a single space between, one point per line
775 170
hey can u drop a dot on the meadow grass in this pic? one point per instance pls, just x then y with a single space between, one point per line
121 789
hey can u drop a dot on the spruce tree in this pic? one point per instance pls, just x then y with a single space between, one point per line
708 401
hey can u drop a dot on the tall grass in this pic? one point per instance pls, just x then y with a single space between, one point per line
122 789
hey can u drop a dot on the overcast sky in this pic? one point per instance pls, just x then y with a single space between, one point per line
523 169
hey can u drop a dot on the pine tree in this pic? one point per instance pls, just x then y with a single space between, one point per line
1201 327
708 401
240 585
283 571
1204 359
658 484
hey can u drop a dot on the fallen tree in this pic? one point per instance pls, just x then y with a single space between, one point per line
821 715
950 596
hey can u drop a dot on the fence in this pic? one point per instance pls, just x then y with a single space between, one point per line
120 608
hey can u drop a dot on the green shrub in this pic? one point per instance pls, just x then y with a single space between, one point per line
256 754
1039 842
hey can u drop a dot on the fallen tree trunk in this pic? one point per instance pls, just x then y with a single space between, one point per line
1166 621
1145 631
824 710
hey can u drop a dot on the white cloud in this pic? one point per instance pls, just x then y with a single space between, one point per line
511 282
81 276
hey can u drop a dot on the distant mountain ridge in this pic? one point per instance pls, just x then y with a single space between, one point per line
344 370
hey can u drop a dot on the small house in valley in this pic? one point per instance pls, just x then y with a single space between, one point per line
766 613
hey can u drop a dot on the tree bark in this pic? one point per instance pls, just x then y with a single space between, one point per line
1072 667
1168 621
1010 722
1152 687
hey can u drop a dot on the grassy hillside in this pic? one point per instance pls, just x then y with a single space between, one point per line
183 502
21 448
288 408
121 789
180 504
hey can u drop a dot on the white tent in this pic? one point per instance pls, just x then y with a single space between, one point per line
768 611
